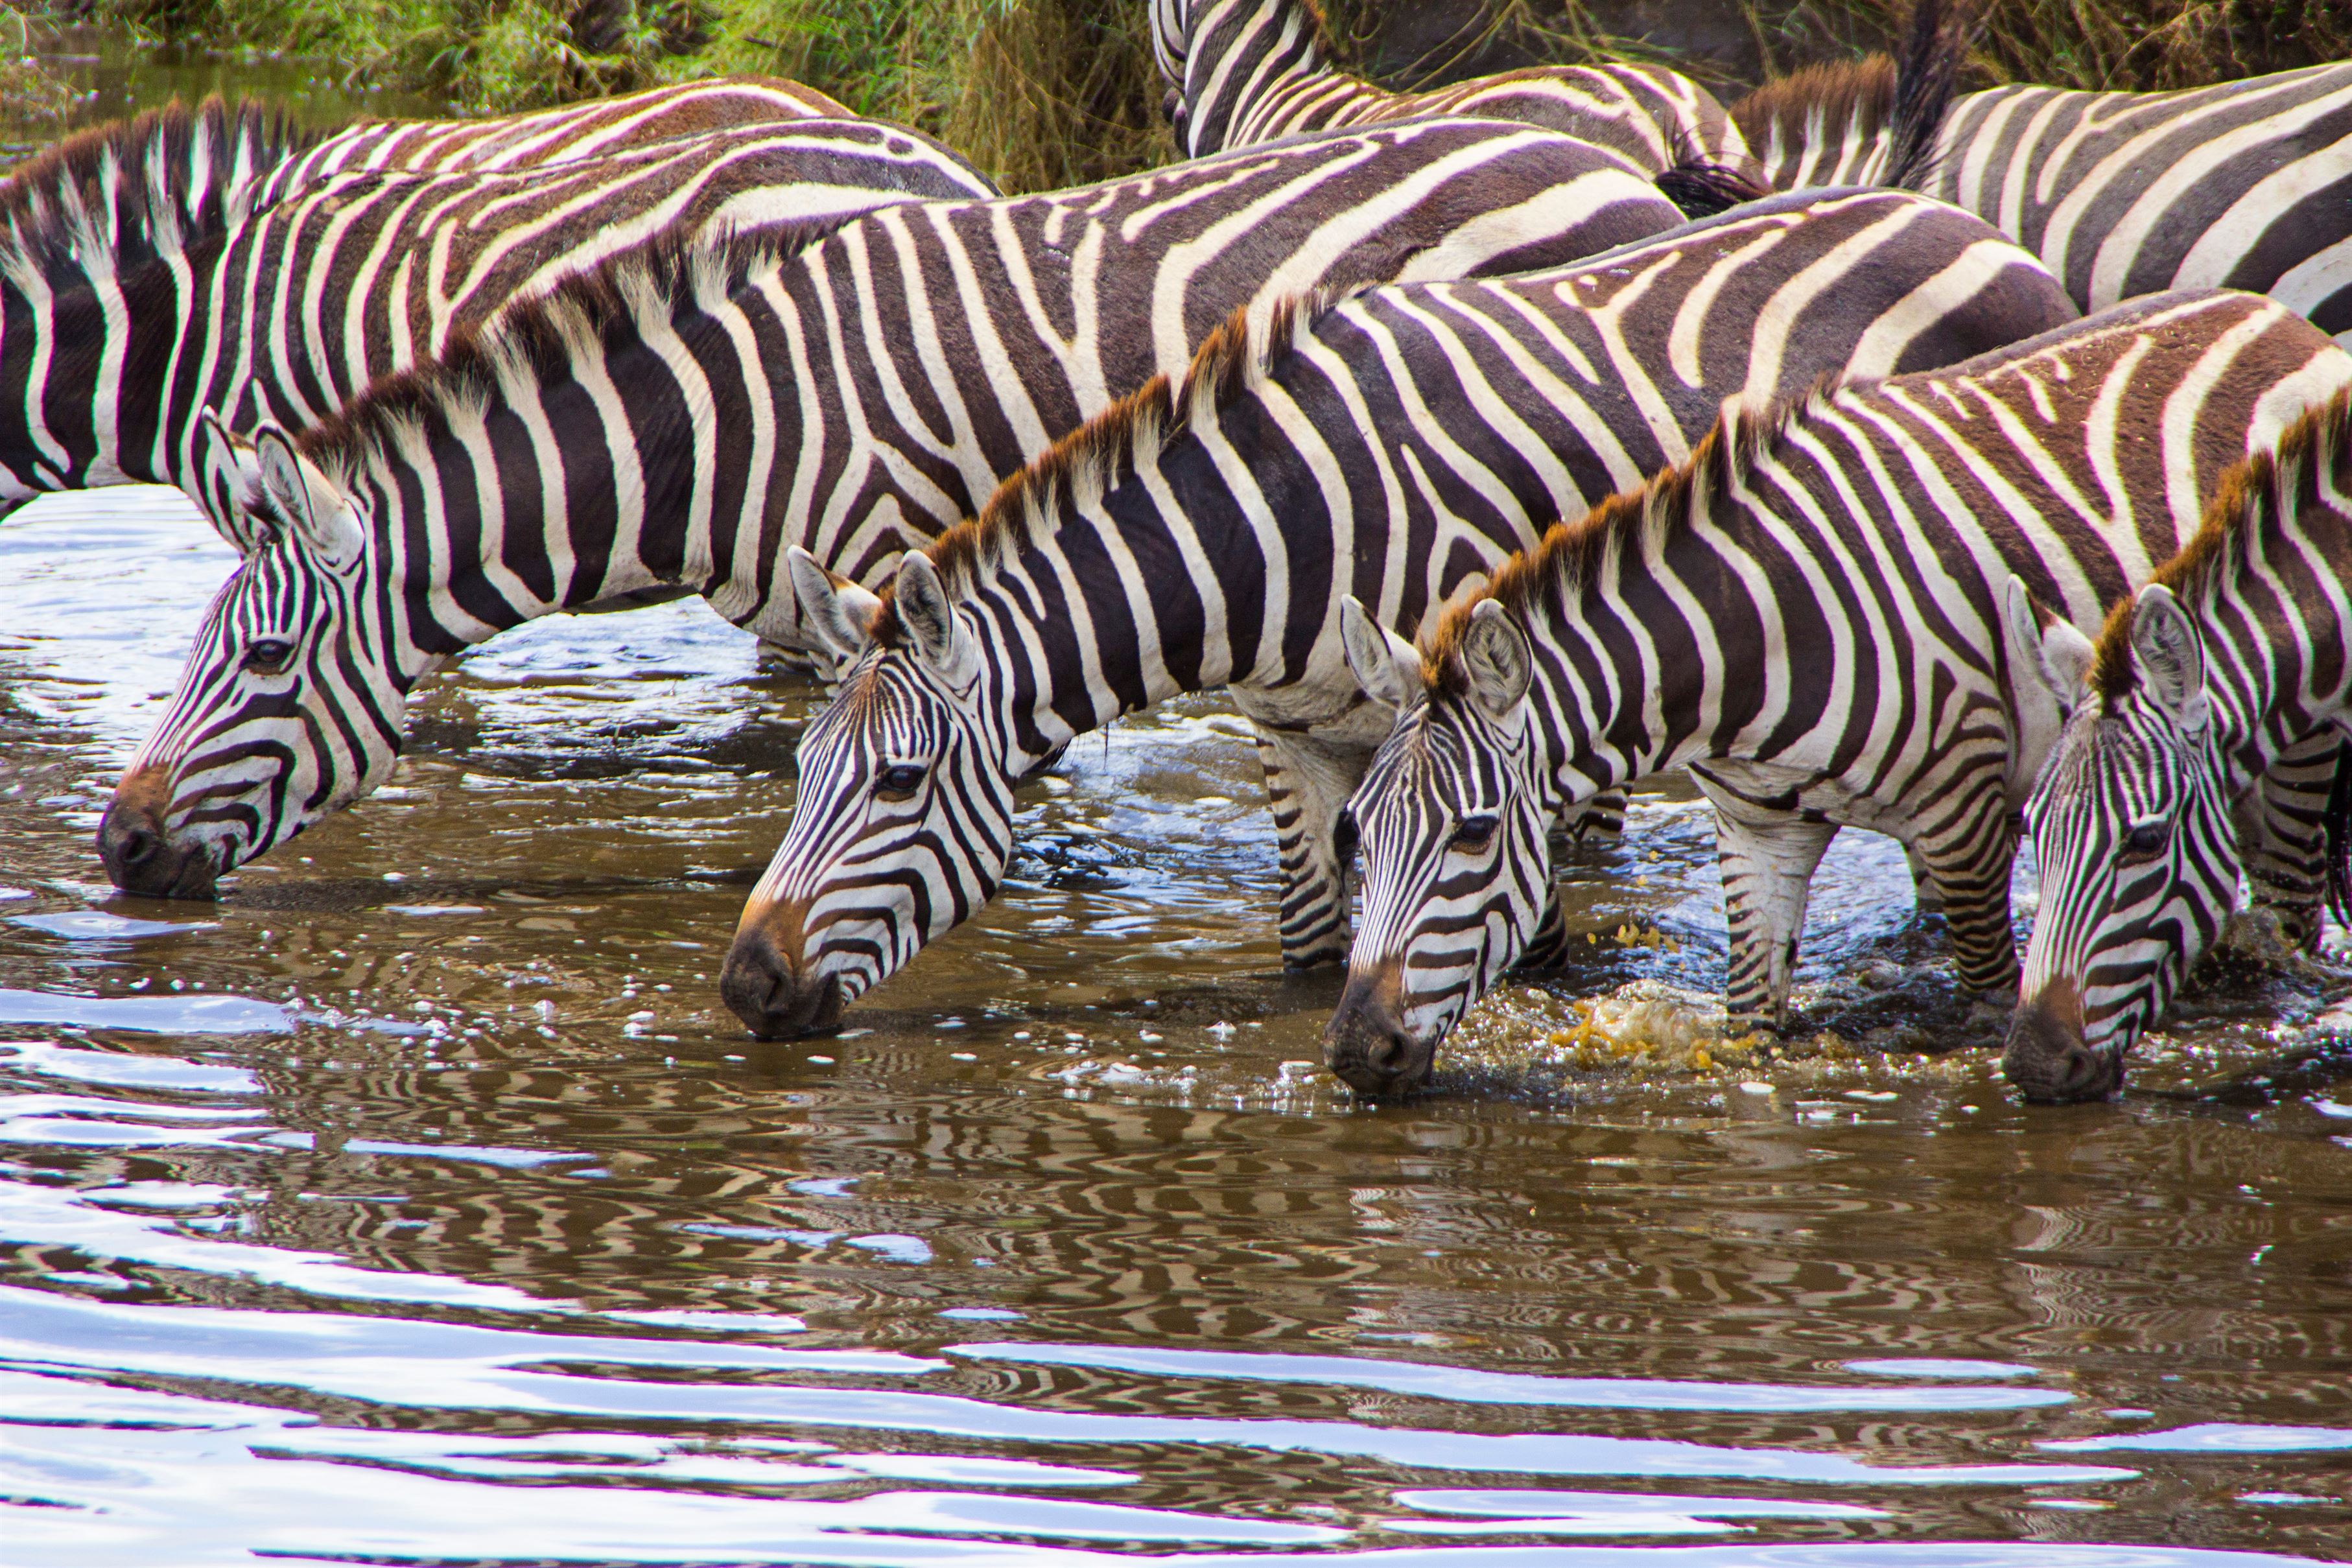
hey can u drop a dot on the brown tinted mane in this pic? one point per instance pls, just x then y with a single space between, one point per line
1129 434
2322 435
1543 581
32 199
541 334
1859 93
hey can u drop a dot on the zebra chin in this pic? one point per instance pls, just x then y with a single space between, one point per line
2047 1058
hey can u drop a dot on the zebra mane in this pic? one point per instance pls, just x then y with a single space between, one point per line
128 192
2267 484
1544 582
538 342
1132 432
1834 95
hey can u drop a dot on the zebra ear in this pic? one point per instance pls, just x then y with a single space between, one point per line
1500 663
2044 645
228 473
2171 656
318 513
1386 665
838 611
930 618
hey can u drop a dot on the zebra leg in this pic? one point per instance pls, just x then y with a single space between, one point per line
1926 893
1767 860
1309 779
2282 836
1971 867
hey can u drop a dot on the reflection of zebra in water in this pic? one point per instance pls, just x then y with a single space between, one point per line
144 279
1394 446
1242 72
677 422
2239 649
1811 617
2244 186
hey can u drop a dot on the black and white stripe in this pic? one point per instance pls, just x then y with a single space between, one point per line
151 274
1815 616
1241 72
2236 658
1394 447
674 423
2247 184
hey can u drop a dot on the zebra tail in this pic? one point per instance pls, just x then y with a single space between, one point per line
2337 825
1927 62
1702 188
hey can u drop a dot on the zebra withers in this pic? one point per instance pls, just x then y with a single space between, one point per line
673 422
1394 445
1813 615
2236 654
139 283
2246 184
1241 72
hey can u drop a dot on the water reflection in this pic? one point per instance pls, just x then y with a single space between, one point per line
418 1201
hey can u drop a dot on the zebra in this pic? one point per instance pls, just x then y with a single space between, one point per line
678 418
1394 444
2226 662
1241 72
1826 615
2246 184
141 283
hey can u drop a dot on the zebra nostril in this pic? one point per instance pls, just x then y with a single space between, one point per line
137 846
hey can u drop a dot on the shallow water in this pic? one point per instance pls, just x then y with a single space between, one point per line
419 1202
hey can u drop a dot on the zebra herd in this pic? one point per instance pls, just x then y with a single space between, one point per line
1496 447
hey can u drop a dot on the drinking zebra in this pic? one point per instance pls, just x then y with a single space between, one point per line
1395 446
677 420
2235 653
2247 184
1246 71
141 283
1814 616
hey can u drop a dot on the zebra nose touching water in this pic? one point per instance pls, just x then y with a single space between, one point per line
1866 606
672 421
1392 445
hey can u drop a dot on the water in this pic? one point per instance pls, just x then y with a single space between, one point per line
419 1202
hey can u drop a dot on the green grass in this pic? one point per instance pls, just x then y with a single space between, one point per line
1047 93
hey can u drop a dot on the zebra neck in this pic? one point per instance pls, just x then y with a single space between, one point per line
1247 56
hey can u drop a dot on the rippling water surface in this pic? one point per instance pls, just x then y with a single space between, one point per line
418 1202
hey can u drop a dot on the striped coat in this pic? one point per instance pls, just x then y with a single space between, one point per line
1394 446
2245 185
1813 615
1241 72
144 279
676 422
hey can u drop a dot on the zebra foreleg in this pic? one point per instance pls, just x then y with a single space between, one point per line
1972 869
1768 860
2283 836
1926 893
1309 779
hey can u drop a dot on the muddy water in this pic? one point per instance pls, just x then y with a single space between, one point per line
418 1202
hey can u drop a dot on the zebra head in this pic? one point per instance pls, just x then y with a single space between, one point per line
1450 820
903 819
2140 866
288 707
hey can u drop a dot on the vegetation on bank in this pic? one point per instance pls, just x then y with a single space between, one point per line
1047 93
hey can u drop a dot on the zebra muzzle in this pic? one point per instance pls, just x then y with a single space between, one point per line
775 997
1367 1045
139 852
2046 1060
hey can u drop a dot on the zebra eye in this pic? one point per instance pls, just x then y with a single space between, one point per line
899 782
268 655
1473 834
2146 840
